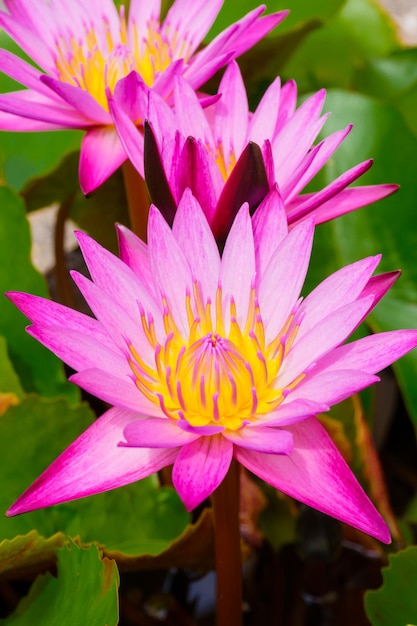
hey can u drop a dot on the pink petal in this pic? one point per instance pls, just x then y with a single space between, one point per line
200 468
164 82
190 20
120 326
292 411
287 104
117 280
26 36
242 39
193 235
170 268
140 15
316 474
370 354
25 74
238 265
231 43
115 388
36 106
92 464
286 269
294 140
134 252
78 98
322 154
378 286
157 432
43 312
342 287
232 113
197 73
351 199
323 337
190 118
333 386
131 95
129 135
315 200
24 124
269 224
101 155
264 120
80 351
262 439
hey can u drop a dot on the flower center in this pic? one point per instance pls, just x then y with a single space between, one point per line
219 374
98 59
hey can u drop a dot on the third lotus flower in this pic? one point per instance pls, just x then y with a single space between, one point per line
84 48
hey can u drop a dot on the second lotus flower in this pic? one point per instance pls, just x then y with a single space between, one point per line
206 357
206 149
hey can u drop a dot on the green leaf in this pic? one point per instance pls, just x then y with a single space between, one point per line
300 11
395 603
9 381
27 555
389 79
24 155
331 55
85 592
137 519
387 226
37 368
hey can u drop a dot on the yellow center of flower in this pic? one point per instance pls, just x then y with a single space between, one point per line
95 62
214 376
225 162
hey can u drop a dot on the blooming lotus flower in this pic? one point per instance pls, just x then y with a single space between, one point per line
84 48
208 357
204 149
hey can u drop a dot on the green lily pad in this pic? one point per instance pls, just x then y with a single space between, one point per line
84 592
331 56
395 603
9 381
140 518
38 369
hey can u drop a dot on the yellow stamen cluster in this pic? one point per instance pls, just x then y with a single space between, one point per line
95 63
215 375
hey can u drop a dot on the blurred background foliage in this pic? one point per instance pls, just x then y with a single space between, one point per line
352 48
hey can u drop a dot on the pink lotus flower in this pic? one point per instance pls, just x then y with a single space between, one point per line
85 47
204 149
208 357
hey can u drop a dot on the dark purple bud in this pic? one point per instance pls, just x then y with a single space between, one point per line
156 180
248 182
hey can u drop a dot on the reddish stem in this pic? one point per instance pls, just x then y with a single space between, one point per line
228 555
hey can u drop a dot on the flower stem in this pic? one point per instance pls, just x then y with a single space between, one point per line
227 543
137 199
